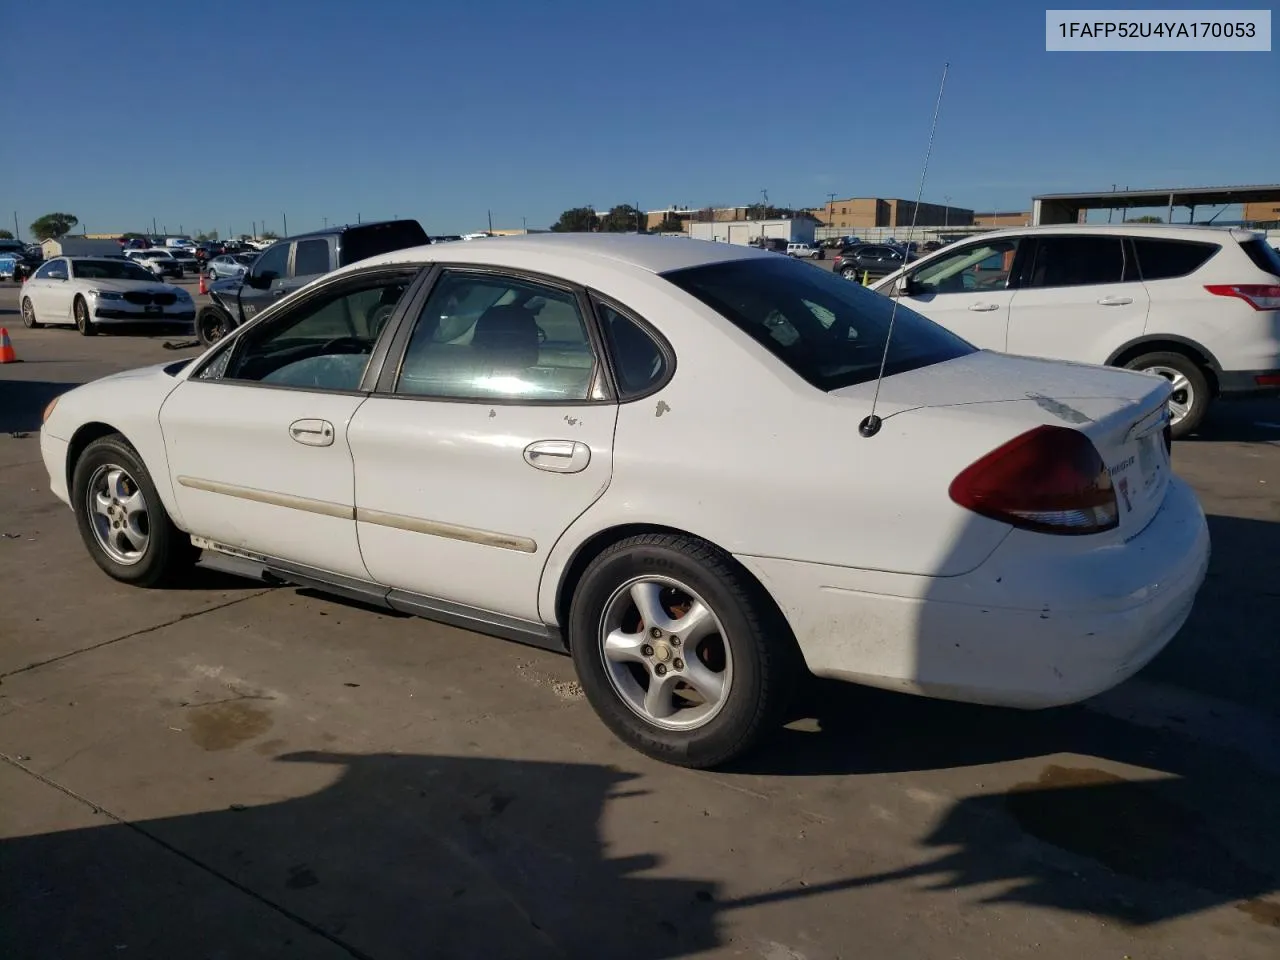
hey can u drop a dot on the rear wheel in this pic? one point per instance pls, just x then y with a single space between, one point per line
680 653
849 273
83 322
1190 399
29 315
121 519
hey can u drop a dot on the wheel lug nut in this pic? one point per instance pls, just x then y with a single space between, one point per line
679 664
675 641
647 650
660 669
655 633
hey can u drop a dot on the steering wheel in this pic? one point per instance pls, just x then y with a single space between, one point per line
357 345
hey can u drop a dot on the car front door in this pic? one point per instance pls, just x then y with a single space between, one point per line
1080 299
490 432
969 290
257 438
267 281
57 294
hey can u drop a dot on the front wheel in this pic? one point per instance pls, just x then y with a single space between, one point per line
849 273
84 324
1191 395
29 315
212 325
679 651
121 519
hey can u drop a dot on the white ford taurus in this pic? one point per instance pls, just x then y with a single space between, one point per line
648 451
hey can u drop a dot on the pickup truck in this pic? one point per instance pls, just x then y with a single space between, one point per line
289 264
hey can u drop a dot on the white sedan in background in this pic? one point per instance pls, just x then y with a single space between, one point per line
91 291
659 456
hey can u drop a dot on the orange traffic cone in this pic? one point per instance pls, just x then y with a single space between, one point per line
7 354
204 287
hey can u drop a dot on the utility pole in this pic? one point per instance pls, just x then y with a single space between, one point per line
253 228
490 212
831 209
358 217
326 222
285 217
524 224
153 226
946 212
17 234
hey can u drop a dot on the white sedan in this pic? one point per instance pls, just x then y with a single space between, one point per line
92 291
656 453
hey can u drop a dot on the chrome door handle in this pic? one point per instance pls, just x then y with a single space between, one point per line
984 307
558 456
1115 301
314 433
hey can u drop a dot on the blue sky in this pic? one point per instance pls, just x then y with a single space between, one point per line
216 115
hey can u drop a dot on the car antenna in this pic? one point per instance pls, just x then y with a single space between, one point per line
871 425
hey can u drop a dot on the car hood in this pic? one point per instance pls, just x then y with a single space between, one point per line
124 286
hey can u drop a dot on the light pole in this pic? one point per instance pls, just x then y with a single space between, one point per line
946 212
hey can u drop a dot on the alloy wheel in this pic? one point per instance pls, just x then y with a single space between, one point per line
665 653
1183 397
118 514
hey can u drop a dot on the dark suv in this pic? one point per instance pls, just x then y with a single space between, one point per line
289 264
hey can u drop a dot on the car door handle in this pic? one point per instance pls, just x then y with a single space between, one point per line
983 307
558 456
1115 301
314 433
278 293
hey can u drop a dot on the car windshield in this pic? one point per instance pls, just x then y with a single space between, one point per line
109 270
828 330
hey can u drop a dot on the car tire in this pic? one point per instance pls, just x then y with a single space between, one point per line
747 663
212 324
136 542
29 315
84 323
849 273
1191 394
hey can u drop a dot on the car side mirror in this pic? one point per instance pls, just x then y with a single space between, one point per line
909 286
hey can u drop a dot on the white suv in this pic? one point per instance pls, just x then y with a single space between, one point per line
1199 306
803 250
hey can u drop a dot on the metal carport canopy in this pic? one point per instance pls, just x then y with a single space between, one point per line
1066 207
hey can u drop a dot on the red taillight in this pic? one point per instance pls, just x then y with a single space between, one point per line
1260 296
1050 479
1267 380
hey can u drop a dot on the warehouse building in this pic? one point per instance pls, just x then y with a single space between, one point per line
79 247
856 213
794 230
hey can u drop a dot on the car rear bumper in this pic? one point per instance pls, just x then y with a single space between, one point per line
1029 628
1242 384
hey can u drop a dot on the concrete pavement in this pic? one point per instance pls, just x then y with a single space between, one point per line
231 770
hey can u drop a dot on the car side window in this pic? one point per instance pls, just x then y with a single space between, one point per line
492 337
274 261
311 258
1077 262
978 266
639 363
44 272
323 344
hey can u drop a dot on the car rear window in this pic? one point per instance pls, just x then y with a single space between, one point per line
360 243
1165 259
829 331
1264 256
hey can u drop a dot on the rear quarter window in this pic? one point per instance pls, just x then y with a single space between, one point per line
1166 259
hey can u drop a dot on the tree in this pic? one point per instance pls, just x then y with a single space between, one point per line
202 237
1147 219
270 235
576 220
5 235
670 224
53 225
758 211
624 218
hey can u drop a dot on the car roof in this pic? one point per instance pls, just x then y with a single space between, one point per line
1176 231
330 231
652 253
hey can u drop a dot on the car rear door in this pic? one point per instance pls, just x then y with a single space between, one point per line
490 432
1079 298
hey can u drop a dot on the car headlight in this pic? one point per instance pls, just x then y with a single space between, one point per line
106 295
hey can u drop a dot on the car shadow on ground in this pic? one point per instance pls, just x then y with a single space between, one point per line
1192 828
1240 421
23 401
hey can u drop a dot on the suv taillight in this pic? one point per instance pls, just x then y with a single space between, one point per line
1050 479
1260 296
